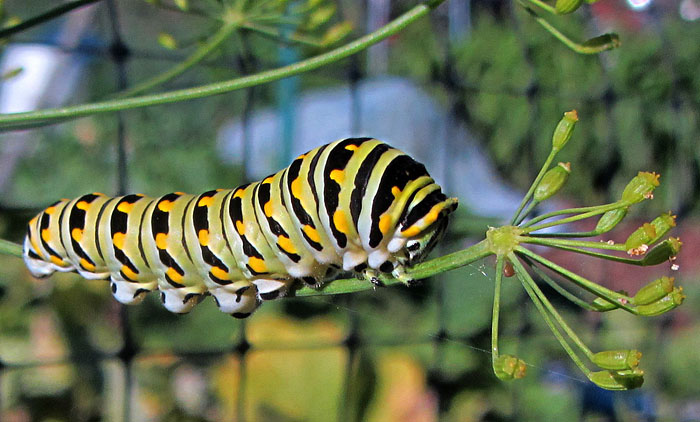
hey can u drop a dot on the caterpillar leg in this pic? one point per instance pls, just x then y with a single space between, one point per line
239 299
269 289
128 292
180 300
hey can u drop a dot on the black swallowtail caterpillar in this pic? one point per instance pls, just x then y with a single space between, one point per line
355 205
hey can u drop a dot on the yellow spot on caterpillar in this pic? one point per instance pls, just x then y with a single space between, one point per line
118 240
312 233
82 205
268 209
77 234
126 207
174 275
267 180
238 193
50 210
240 227
395 191
58 261
257 264
36 247
86 265
219 273
98 194
140 195
33 220
179 193
338 176
296 188
165 206
385 223
340 221
411 231
162 241
46 235
301 157
219 189
286 244
207 201
352 147
132 276
433 214
203 237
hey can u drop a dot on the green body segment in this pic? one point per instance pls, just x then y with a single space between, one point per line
354 205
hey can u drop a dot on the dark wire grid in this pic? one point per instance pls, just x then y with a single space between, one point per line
120 53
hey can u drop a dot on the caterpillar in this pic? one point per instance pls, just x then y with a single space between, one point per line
355 205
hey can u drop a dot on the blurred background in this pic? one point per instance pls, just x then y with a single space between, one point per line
473 91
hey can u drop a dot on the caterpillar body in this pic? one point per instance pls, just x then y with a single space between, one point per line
354 205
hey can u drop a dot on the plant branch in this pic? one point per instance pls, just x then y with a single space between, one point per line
10 248
203 51
47 116
44 17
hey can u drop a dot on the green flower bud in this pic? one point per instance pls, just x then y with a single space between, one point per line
508 367
617 359
640 187
654 291
167 41
638 242
662 252
665 304
336 33
552 181
567 6
618 380
663 224
610 219
563 131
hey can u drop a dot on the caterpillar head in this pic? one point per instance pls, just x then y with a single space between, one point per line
419 246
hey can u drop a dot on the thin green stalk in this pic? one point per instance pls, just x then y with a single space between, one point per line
531 206
620 247
544 6
618 299
19 120
203 51
523 275
496 310
565 235
559 289
275 34
44 17
600 210
608 41
569 211
552 311
534 184
637 262
10 248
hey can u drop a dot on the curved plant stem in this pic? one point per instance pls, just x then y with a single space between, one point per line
46 16
29 119
203 51
10 248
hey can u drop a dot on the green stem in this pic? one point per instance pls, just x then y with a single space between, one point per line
44 17
275 34
600 210
531 206
525 280
534 184
544 6
552 310
618 299
10 248
25 119
559 289
568 242
578 210
566 235
496 311
628 261
603 43
203 51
